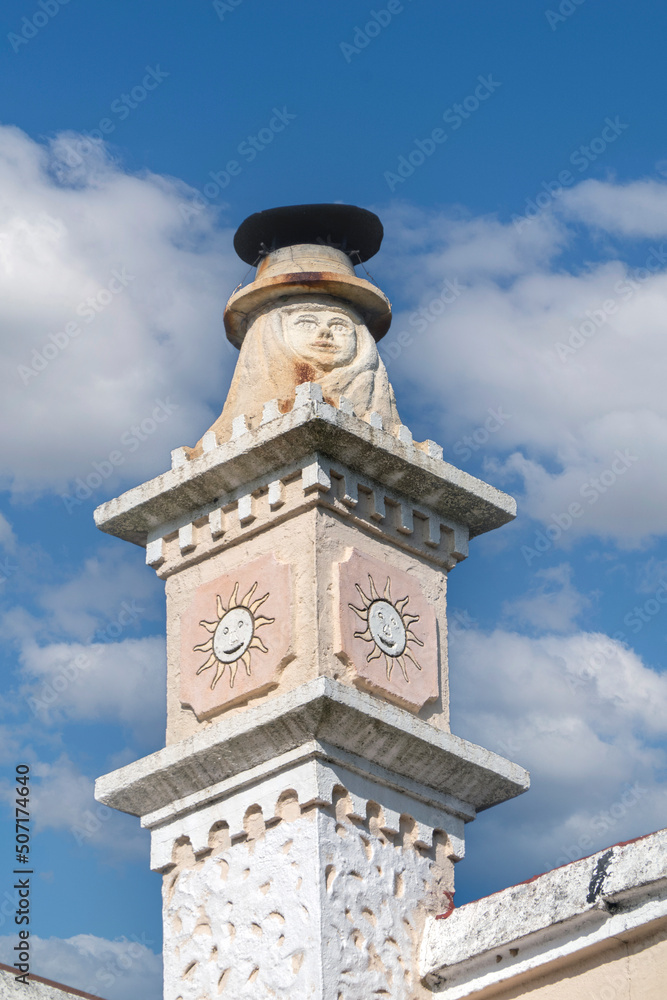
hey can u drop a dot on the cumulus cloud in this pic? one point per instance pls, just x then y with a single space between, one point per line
573 354
498 318
125 969
109 595
637 209
122 682
553 605
586 716
110 316
62 798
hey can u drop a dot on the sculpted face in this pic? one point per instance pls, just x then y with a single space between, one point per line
323 335
233 635
387 628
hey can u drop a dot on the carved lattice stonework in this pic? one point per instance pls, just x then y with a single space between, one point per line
387 631
245 921
224 656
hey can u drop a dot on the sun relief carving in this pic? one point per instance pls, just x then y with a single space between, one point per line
234 634
233 623
387 628
395 652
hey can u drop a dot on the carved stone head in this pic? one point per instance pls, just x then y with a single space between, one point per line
322 334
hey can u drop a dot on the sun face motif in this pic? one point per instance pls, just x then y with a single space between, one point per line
387 628
233 635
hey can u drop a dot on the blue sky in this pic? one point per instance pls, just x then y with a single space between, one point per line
516 155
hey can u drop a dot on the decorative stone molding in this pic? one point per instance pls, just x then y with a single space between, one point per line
414 475
306 828
320 720
319 482
310 779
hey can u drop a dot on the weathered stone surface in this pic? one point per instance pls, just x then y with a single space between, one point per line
305 828
555 916
322 710
312 776
317 906
310 338
311 427
326 536
37 988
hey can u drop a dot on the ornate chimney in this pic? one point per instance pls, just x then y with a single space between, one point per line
310 803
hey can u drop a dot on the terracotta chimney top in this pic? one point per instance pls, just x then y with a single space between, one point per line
306 249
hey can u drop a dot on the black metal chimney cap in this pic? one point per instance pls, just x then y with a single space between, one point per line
355 231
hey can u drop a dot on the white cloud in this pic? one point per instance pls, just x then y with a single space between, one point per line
553 605
126 969
574 355
62 798
7 536
154 334
637 209
110 594
586 716
504 340
122 682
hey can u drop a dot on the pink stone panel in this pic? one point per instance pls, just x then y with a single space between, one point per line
388 631
235 636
